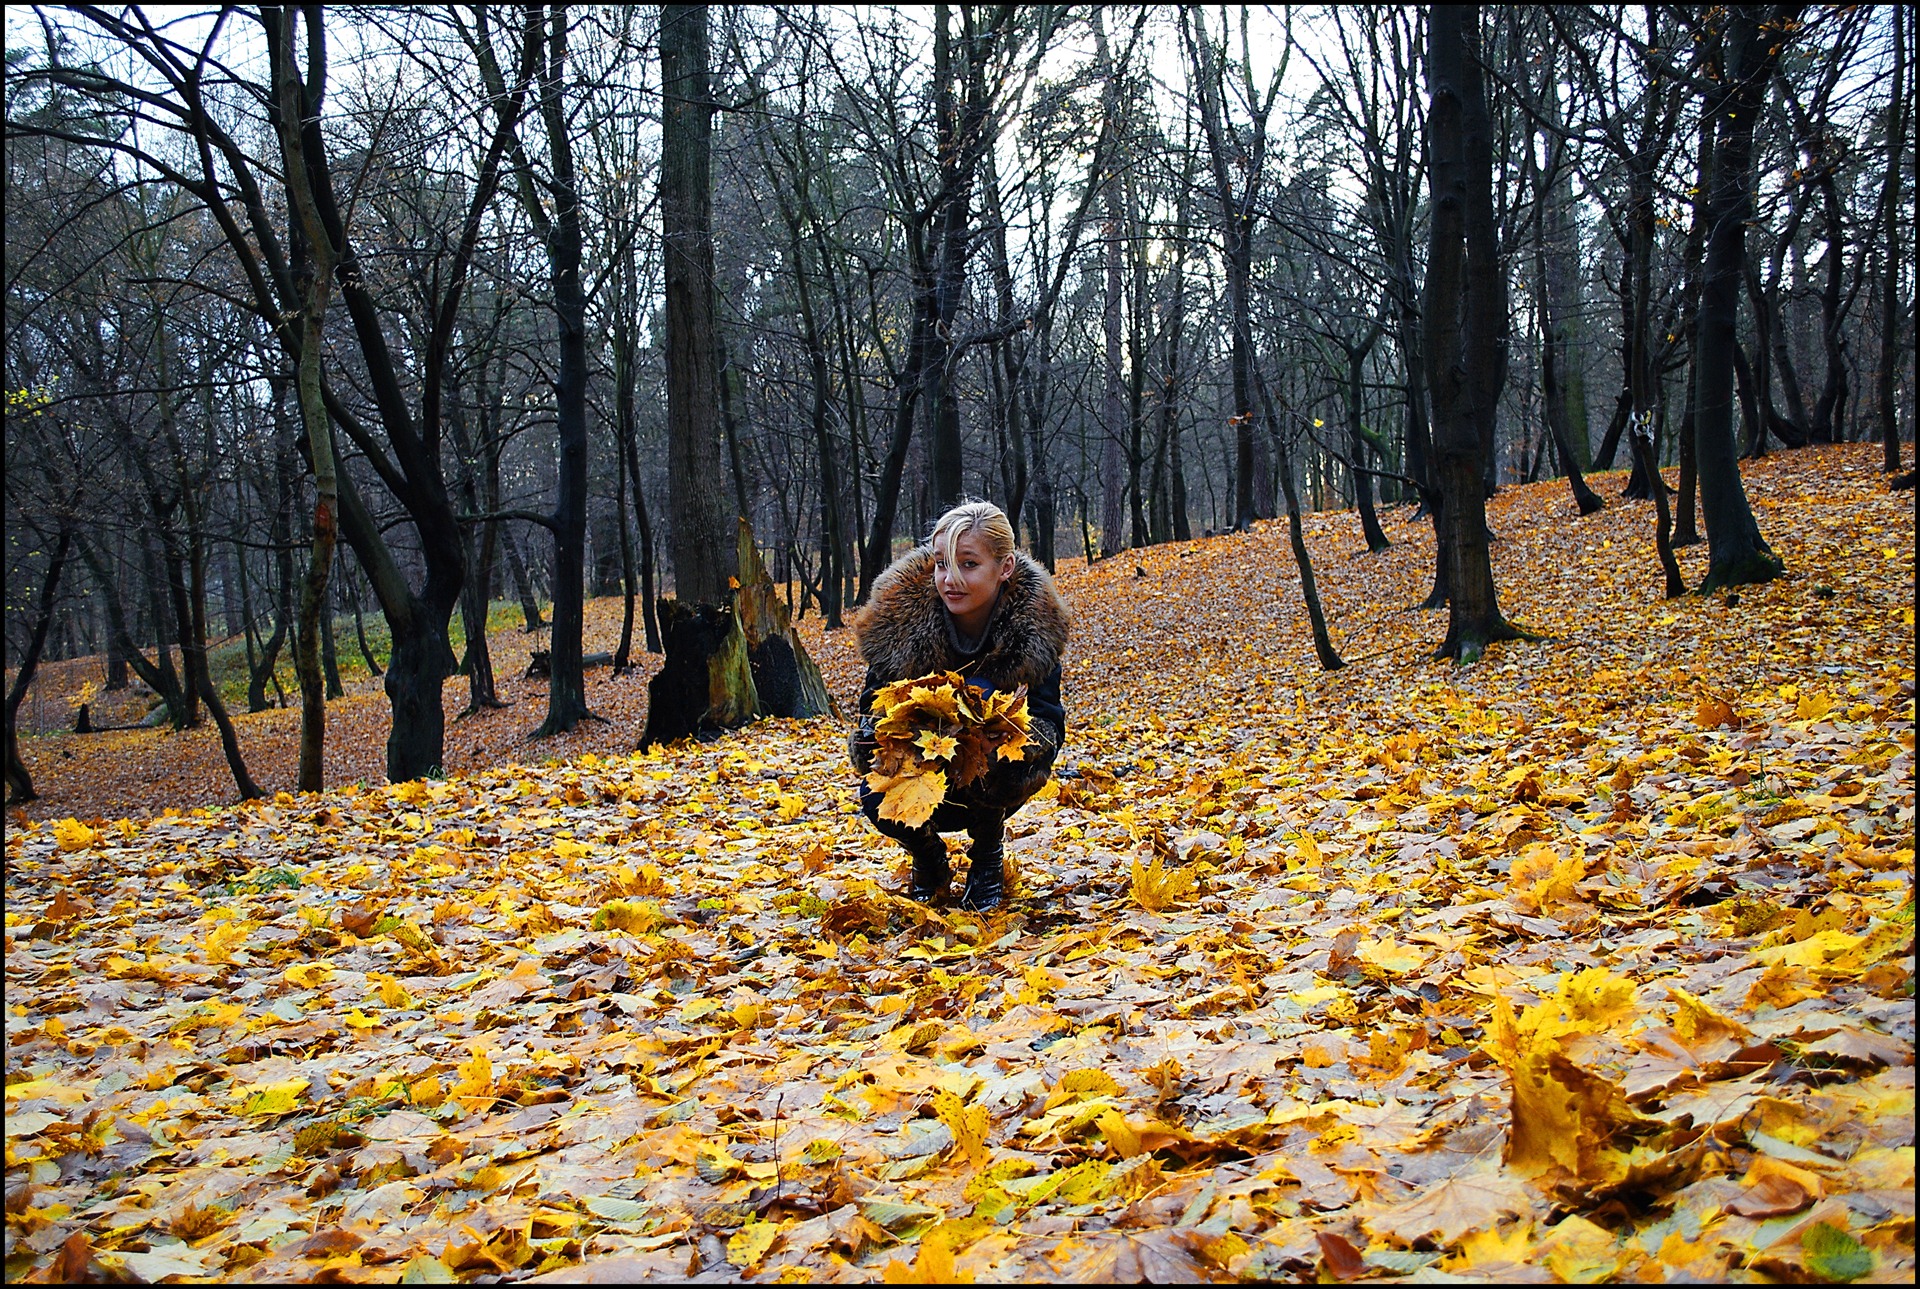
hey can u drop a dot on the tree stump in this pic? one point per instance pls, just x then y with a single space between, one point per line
729 664
706 682
789 682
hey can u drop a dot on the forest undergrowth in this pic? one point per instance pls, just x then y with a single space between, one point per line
1592 961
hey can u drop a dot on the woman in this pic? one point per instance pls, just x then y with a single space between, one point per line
966 602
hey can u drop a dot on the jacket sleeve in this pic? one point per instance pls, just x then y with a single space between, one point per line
860 739
1049 711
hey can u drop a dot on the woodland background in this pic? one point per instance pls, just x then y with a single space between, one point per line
1136 274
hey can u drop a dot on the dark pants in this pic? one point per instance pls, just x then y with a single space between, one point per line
980 809
981 822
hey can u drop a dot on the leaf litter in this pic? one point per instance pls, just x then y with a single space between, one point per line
1590 962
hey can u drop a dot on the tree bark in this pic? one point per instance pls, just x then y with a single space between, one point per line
701 548
19 781
567 686
1750 42
1465 310
1323 649
315 260
1663 533
1896 247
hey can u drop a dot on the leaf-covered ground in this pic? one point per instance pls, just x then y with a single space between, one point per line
1590 962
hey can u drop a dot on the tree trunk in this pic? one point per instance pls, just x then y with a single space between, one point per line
1750 43
1663 534
1465 309
522 583
1323 649
1357 445
374 668
1563 388
702 549
1896 247
330 655
567 686
19 781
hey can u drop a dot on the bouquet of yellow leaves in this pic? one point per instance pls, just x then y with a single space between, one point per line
937 731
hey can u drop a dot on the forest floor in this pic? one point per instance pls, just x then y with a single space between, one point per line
1591 961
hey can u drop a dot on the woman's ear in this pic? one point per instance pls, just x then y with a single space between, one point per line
1006 568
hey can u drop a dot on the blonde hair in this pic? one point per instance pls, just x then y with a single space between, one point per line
981 517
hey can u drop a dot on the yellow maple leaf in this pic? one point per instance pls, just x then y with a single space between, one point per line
476 1079
790 805
390 992
940 747
307 975
221 942
1155 886
750 1243
1694 1019
357 1019
266 1100
1561 1115
1389 955
968 1124
1596 998
1121 1135
1812 706
932 1265
1541 878
911 799
71 834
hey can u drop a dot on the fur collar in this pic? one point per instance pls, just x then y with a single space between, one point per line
902 631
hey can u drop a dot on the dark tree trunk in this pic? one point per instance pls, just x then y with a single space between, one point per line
1897 249
522 583
1685 533
19 781
1663 534
706 681
567 687
1466 315
480 495
1323 649
374 668
329 657
960 129
1563 388
1750 42
281 536
702 547
630 453
1358 442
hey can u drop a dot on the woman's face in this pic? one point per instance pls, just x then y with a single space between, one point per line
969 580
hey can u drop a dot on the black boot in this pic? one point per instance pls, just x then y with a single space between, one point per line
986 872
932 875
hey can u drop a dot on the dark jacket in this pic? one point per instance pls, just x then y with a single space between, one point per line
905 631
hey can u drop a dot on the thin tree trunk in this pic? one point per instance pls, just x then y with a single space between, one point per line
1663 533
1896 247
566 684
1323 649
19 781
